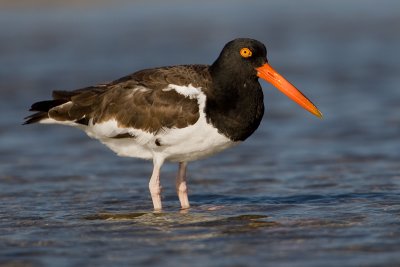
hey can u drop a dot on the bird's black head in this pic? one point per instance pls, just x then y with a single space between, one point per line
242 61
240 58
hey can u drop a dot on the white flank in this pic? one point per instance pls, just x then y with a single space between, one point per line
110 129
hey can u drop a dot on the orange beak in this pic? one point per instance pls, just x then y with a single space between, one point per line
267 73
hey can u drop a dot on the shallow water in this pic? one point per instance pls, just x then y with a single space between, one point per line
299 192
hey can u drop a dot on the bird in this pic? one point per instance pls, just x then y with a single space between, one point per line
177 113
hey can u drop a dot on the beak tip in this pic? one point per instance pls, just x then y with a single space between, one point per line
319 114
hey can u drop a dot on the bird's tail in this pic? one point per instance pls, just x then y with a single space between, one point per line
42 110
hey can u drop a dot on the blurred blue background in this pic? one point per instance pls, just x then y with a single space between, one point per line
300 191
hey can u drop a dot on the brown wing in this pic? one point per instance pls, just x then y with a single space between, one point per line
136 100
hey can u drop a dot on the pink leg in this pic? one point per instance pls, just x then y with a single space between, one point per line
154 184
181 187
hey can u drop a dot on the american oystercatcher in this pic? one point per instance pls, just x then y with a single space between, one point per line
176 113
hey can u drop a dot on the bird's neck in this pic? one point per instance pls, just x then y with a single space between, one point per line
227 80
234 104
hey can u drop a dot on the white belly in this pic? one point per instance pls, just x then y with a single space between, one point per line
191 143
196 142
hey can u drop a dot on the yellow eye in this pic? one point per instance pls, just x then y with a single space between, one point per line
245 52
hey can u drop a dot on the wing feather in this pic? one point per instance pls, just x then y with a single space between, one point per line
137 100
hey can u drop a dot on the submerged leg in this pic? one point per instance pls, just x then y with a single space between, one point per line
181 187
154 184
